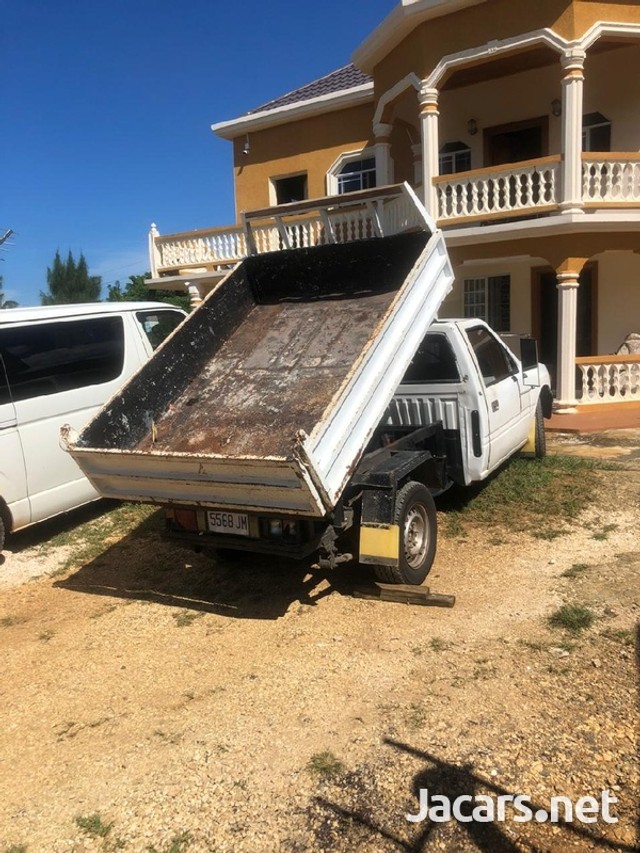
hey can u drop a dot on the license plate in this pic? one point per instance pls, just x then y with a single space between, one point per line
234 523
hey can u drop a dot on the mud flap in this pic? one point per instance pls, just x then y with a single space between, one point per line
380 544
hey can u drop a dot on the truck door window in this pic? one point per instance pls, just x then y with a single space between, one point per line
434 361
158 325
494 361
45 358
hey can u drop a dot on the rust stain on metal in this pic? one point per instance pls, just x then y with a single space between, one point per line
274 376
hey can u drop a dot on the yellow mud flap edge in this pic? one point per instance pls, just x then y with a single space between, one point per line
380 544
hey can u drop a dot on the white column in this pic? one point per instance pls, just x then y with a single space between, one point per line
572 94
566 357
154 254
195 291
430 149
416 150
384 166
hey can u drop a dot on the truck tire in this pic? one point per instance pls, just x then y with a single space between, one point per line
415 515
2 534
540 438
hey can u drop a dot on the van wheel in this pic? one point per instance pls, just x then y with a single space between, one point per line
415 515
540 436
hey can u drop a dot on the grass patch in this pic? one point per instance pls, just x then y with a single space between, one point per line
93 825
16 848
437 644
45 636
534 496
186 618
178 844
574 618
92 538
619 635
11 620
575 570
324 765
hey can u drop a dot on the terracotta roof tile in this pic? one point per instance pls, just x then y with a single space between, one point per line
340 80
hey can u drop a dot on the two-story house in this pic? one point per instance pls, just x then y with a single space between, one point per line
518 124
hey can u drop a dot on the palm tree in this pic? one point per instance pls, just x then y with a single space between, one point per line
6 303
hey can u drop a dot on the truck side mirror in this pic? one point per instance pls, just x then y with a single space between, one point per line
529 359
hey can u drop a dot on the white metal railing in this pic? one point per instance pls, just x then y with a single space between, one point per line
609 378
611 178
499 190
381 212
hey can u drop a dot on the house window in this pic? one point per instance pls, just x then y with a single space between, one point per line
596 132
489 298
454 157
290 189
357 175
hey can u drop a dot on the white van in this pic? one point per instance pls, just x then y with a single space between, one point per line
59 364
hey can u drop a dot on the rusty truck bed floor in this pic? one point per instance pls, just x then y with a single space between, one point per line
275 375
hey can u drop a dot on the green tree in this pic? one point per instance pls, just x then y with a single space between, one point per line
137 290
70 282
6 303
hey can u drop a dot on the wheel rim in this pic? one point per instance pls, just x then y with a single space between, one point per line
416 535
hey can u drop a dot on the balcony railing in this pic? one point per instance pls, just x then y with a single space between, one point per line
609 378
384 211
499 191
612 179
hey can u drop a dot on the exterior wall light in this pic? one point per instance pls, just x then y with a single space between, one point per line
556 107
472 127
247 147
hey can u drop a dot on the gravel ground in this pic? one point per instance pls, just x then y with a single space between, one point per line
157 700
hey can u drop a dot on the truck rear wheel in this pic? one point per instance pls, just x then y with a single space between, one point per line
1 534
415 515
540 435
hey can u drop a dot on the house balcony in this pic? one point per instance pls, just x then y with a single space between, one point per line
516 190
534 187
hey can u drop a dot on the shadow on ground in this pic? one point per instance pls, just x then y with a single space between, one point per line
144 567
438 776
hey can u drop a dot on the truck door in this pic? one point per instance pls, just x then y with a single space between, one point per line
507 412
13 477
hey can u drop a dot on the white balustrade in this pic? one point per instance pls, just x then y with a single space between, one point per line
609 379
500 190
611 178
214 246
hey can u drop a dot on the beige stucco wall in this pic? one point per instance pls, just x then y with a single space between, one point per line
469 28
520 273
619 103
618 298
310 145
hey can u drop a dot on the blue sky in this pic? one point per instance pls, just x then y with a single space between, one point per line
105 113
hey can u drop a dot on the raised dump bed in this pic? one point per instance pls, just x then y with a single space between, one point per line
267 395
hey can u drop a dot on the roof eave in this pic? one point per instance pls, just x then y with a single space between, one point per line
398 24
292 112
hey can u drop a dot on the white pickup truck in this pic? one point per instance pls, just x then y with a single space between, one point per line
312 403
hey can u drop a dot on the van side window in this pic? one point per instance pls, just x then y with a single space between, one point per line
494 361
434 361
46 358
5 396
158 325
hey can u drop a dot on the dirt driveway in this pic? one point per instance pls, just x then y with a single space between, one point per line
157 700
